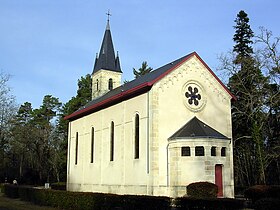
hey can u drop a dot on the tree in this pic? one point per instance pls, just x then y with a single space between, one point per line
254 114
144 69
22 138
269 56
33 146
83 96
242 37
7 111
45 127
249 86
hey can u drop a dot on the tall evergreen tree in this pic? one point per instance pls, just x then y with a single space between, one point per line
242 37
144 69
249 86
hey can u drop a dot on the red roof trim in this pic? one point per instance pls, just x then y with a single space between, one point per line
105 102
199 58
139 88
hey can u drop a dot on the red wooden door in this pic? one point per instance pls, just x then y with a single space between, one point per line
219 179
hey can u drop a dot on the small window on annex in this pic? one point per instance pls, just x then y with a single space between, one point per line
213 151
185 151
223 151
199 151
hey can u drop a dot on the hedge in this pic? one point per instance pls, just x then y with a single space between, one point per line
86 200
267 204
102 201
1 188
58 186
262 191
189 203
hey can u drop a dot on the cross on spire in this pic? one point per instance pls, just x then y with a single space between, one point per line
108 14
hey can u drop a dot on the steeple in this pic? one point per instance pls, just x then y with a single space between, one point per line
107 72
106 59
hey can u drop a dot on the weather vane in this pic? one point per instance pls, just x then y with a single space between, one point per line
108 14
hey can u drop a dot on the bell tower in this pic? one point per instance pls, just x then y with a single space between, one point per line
107 72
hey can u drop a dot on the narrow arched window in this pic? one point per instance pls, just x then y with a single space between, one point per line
76 149
97 84
136 137
92 145
110 84
112 142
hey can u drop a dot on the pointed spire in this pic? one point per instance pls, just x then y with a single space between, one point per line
107 59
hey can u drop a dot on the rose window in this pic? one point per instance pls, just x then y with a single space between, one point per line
193 96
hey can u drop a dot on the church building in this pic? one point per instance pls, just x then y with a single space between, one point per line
153 135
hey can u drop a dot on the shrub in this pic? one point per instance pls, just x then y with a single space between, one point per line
11 190
267 204
87 200
262 191
202 190
190 203
1 188
58 186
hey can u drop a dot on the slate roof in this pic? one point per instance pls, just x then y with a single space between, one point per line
135 87
107 59
197 129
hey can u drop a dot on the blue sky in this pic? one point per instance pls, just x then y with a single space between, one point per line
47 45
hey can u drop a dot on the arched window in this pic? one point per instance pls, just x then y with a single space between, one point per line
110 84
112 142
97 84
136 137
92 145
76 149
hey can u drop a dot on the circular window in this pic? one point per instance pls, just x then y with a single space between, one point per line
193 96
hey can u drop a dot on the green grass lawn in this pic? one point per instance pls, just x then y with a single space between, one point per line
17 204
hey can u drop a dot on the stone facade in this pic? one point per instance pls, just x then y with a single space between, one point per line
101 80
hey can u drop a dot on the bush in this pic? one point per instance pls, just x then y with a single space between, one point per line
267 204
262 191
11 190
1 188
87 200
58 186
202 190
101 201
189 203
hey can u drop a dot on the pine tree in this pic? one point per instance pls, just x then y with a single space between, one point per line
249 86
242 37
144 69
